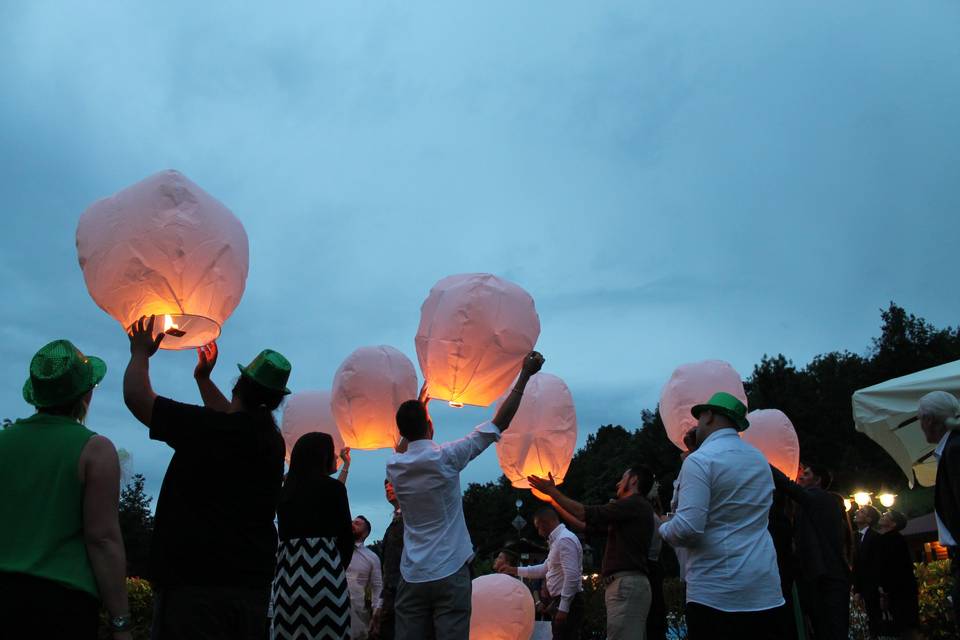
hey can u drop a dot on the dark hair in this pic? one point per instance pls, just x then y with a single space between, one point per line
512 557
644 478
546 511
412 420
256 398
310 463
75 409
898 518
822 472
872 514
366 522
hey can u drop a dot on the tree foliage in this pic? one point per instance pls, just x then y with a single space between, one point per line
136 524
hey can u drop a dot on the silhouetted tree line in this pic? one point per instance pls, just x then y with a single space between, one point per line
816 397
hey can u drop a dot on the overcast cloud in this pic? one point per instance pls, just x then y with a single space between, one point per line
670 183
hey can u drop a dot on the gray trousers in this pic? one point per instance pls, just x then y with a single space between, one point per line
436 609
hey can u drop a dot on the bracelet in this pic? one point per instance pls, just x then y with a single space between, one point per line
119 623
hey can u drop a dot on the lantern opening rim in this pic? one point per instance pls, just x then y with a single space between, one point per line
191 324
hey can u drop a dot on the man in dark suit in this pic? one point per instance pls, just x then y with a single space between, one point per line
824 577
866 566
939 414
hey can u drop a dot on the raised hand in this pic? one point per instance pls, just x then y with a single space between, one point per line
142 340
546 486
345 456
533 363
206 361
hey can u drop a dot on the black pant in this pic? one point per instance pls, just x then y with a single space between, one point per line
210 613
32 607
657 618
705 622
826 602
570 628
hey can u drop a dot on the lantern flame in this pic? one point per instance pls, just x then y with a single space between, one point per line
168 323
887 499
847 505
862 498
456 405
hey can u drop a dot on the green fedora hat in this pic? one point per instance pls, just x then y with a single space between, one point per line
269 369
726 404
61 373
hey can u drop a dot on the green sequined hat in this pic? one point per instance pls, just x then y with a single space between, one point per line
61 373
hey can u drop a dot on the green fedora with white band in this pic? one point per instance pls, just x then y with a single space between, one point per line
60 373
727 405
269 369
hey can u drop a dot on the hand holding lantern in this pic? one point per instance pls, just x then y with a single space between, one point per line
142 341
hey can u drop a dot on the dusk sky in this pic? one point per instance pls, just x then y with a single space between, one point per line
670 183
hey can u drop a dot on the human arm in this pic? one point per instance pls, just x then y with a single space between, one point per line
531 365
137 391
572 523
794 491
344 529
376 583
687 525
534 571
212 397
345 467
571 561
548 487
99 470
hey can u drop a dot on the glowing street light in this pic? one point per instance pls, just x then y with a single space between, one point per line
862 498
887 499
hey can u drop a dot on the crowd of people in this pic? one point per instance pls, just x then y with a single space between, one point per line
242 549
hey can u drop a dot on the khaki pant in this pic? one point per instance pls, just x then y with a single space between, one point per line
628 603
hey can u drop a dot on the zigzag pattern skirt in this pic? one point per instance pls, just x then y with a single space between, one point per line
310 598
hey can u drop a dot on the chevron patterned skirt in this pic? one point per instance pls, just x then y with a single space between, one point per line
310 598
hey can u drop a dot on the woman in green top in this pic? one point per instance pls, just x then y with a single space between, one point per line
61 553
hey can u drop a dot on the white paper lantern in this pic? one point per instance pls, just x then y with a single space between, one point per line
693 384
165 247
543 434
773 434
475 329
309 412
502 609
368 388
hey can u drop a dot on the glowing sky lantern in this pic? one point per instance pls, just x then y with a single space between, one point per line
502 609
475 330
165 247
308 412
693 384
367 389
773 434
543 434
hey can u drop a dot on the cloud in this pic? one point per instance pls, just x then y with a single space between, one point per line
670 184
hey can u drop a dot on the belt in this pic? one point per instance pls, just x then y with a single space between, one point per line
608 580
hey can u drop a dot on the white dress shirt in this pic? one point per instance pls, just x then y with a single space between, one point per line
426 479
563 567
946 538
726 490
364 570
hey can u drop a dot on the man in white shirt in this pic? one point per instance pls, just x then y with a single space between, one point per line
563 570
363 572
433 597
939 415
726 489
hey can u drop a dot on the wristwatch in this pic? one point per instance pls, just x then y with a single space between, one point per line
119 623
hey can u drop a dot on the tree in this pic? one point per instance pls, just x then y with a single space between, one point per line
136 524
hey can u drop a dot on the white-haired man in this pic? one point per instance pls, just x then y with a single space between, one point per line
939 414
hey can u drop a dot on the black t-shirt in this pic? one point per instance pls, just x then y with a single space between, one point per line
214 520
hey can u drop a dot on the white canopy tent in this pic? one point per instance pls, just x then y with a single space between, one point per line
887 413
